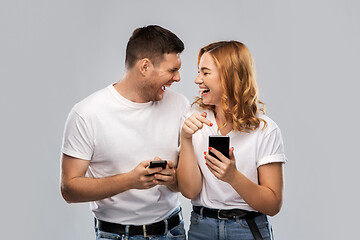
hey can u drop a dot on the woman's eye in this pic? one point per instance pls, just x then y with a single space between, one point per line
205 73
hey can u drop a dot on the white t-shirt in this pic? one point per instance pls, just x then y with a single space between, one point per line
115 135
251 150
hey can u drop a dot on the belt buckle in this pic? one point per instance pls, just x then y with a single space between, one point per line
145 231
221 218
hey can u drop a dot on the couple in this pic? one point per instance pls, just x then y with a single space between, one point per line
111 136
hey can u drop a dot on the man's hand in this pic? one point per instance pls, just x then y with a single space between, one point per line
144 177
167 176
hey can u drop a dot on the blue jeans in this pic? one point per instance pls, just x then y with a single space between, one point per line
202 228
176 233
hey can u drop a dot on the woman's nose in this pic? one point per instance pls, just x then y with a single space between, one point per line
198 79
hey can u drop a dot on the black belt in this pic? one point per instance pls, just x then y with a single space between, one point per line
224 214
157 228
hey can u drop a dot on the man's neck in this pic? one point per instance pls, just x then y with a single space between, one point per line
127 88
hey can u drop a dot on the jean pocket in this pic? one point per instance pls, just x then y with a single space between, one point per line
178 232
194 218
106 235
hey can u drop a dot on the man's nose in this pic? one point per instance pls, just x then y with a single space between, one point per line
176 77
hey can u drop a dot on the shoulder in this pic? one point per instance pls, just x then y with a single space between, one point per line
175 96
90 104
271 125
176 100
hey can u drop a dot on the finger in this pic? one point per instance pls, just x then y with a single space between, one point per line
151 171
159 182
218 154
216 170
163 178
186 129
214 163
204 120
171 164
192 125
231 154
147 178
145 163
196 121
151 184
166 172
204 114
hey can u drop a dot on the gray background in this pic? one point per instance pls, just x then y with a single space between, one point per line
55 53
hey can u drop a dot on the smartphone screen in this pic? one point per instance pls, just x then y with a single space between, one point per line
220 143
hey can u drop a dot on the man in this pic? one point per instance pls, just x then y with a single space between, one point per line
112 135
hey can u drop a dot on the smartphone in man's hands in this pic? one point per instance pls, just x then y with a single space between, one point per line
159 163
220 143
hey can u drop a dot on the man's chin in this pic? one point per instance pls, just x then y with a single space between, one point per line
159 97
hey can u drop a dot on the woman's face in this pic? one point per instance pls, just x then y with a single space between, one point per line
209 80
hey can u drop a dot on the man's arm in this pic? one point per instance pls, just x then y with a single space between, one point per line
75 187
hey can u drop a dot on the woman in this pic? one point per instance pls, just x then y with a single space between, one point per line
232 196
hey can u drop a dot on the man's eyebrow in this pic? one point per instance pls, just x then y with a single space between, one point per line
174 69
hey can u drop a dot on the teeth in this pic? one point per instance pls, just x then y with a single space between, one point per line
204 90
163 87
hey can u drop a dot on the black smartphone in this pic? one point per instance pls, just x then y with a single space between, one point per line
160 163
220 143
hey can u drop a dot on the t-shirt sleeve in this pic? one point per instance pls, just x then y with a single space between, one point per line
77 140
271 149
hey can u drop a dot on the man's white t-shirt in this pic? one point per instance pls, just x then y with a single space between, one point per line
251 150
115 135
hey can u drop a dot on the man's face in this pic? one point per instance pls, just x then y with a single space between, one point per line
162 76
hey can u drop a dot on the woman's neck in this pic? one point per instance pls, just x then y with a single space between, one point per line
221 120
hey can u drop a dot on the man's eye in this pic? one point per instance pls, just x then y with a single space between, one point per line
205 73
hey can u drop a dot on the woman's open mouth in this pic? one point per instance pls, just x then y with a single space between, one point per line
203 92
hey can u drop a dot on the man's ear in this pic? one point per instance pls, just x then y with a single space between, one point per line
144 66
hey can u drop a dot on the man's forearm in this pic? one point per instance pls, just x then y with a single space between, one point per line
86 189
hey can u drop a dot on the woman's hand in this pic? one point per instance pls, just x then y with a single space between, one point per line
194 123
223 169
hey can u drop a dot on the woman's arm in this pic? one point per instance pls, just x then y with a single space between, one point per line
188 172
265 197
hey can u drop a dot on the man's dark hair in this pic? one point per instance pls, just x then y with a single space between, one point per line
151 42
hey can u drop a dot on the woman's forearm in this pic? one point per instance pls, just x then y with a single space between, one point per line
266 198
188 172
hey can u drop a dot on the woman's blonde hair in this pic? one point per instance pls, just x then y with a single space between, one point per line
239 101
